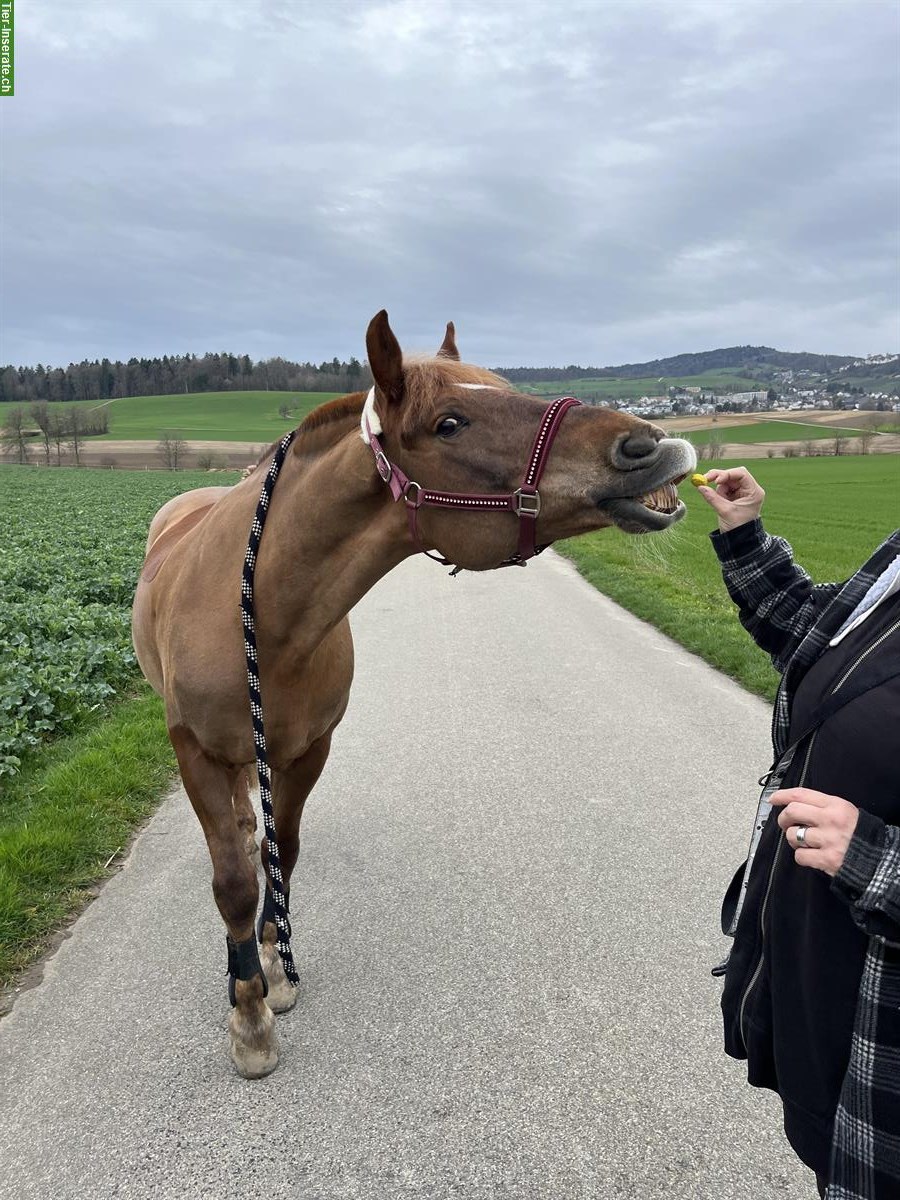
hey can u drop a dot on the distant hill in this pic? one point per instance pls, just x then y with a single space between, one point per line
734 368
760 362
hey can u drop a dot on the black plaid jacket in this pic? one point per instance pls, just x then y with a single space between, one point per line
794 619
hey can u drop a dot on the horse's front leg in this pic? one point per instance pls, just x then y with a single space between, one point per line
290 788
252 1043
243 810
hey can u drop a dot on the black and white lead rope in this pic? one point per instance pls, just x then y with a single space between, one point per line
282 921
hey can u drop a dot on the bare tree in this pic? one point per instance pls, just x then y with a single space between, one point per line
96 420
40 414
14 435
171 448
59 432
713 449
75 427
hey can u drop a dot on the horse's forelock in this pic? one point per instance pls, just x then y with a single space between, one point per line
426 376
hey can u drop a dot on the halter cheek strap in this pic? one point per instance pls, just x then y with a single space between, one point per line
524 502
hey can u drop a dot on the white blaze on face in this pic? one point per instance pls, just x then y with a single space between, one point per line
370 422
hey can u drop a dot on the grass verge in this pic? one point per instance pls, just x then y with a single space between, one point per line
833 511
63 818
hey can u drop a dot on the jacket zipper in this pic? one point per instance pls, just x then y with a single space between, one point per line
865 654
762 915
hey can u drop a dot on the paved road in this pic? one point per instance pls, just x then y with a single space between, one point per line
505 914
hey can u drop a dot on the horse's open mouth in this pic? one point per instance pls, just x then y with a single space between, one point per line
654 510
662 499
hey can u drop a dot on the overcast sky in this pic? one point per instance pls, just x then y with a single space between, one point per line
587 182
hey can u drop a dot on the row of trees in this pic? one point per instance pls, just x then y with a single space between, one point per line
105 380
60 431
845 441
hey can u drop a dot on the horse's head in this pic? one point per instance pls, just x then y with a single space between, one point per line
452 427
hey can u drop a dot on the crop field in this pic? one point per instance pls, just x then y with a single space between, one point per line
73 545
833 511
84 755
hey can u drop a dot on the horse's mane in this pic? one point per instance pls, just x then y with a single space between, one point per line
423 376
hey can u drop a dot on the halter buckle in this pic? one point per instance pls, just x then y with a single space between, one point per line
528 504
382 466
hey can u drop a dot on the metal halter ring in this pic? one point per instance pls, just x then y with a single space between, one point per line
801 834
414 501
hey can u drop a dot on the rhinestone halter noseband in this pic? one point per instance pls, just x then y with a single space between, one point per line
524 502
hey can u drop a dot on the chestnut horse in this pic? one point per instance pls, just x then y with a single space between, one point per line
333 530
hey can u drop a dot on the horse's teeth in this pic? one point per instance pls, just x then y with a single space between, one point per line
661 499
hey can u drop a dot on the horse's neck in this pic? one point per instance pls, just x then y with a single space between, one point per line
331 533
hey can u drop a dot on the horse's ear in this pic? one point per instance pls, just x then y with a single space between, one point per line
385 357
448 345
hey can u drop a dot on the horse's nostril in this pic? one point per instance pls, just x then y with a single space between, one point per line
638 445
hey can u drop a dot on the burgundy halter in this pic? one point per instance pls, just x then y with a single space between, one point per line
525 501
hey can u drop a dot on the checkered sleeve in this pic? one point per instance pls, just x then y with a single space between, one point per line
778 603
865 1149
869 879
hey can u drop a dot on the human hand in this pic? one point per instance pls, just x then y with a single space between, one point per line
829 822
737 497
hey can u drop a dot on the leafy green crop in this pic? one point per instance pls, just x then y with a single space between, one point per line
72 547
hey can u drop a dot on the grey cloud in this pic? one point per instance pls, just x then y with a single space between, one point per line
570 182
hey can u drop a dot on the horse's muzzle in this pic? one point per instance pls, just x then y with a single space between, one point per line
651 502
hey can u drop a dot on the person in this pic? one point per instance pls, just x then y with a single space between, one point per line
811 993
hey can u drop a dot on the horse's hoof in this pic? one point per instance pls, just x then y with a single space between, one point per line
282 995
251 1064
253 1048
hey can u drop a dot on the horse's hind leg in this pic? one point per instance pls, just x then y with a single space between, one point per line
243 810
210 784
290 788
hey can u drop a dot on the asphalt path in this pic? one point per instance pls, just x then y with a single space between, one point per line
505 912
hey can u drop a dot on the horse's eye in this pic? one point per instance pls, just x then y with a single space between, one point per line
448 426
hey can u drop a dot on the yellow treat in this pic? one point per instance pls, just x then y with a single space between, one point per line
701 481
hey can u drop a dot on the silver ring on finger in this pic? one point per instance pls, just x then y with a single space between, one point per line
800 834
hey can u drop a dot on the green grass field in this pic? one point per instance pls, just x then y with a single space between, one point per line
833 511
204 416
770 431
632 389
